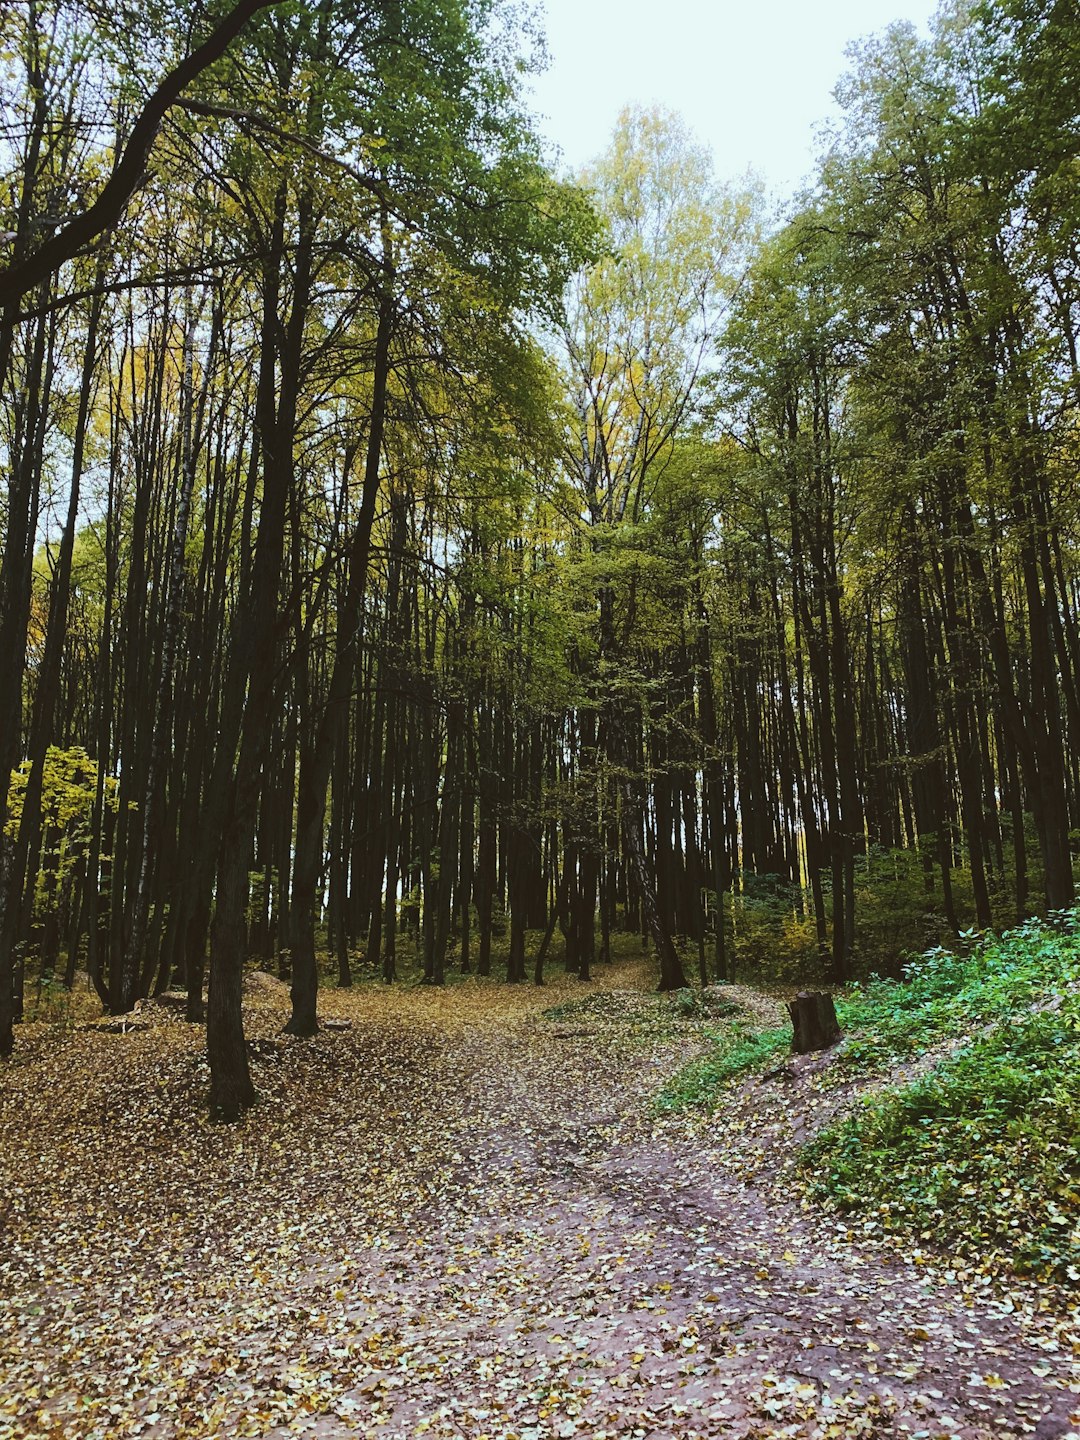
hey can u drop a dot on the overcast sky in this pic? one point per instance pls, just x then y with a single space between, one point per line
752 78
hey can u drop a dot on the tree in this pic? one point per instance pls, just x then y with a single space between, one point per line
639 326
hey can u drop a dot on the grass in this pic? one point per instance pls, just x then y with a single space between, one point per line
732 1052
981 1154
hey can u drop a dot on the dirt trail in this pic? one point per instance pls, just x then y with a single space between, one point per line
460 1223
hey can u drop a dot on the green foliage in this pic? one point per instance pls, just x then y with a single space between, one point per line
68 784
732 1053
948 993
895 914
773 935
982 1153
50 1002
770 938
67 790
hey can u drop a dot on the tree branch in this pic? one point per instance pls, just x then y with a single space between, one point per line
16 280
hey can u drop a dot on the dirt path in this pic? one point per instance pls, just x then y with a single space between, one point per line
460 1223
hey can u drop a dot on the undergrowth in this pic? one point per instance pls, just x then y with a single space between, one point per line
951 993
732 1052
981 1154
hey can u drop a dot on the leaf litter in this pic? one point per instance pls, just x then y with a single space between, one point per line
460 1216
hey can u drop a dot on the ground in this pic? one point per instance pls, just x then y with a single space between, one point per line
460 1217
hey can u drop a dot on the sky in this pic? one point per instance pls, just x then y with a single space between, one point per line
752 78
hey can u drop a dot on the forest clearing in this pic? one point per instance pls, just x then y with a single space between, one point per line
464 1216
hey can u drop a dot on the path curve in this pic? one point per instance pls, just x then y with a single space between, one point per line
460 1222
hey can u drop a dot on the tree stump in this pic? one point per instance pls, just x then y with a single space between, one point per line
813 1019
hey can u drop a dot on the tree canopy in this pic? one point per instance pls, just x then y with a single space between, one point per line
423 561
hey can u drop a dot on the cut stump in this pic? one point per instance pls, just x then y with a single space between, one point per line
813 1019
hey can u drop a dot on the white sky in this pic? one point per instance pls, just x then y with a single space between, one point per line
752 78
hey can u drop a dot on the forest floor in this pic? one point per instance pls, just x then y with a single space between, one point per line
460 1216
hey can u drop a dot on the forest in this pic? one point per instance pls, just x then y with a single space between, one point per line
475 641
407 550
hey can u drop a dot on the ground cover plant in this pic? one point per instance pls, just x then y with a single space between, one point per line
973 1141
981 1152
731 1052
950 992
